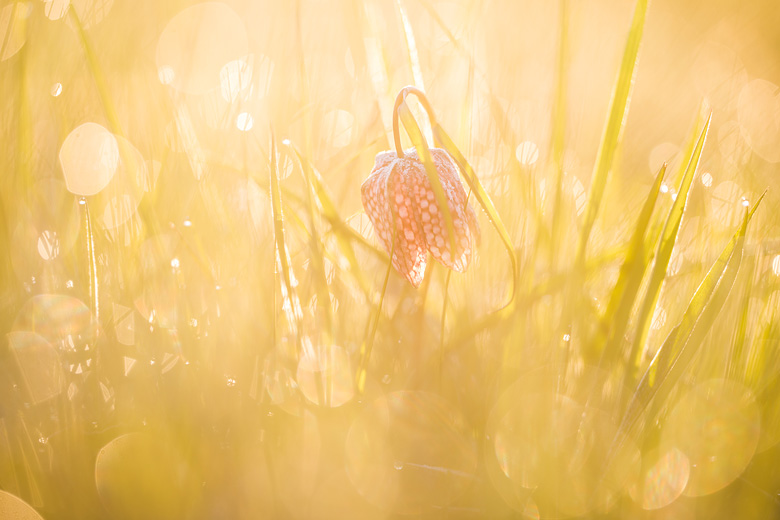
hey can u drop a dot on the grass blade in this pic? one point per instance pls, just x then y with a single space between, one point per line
665 247
681 345
317 256
414 61
291 303
343 231
482 197
368 342
559 130
420 144
615 319
618 108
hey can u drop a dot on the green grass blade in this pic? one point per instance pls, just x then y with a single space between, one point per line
615 319
289 295
368 342
343 231
559 130
677 352
735 368
97 75
414 62
664 252
618 108
317 255
482 197
420 144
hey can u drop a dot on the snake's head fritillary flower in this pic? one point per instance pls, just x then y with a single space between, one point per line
400 202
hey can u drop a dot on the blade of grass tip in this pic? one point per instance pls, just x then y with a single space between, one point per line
681 345
483 199
664 252
317 256
421 145
344 232
618 109
559 129
289 297
371 326
614 321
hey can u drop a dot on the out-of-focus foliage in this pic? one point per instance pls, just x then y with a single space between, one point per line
198 322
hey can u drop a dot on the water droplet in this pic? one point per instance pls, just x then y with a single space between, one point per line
386 379
398 465
175 263
56 89
187 223
69 284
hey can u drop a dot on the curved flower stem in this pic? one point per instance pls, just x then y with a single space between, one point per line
401 98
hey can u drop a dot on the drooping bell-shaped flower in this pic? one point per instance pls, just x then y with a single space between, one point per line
401 204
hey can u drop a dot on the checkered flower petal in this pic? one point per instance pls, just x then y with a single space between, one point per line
464 220
400 202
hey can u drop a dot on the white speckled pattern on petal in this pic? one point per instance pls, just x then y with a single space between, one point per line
400 203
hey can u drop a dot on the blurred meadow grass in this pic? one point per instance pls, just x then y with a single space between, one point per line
198 321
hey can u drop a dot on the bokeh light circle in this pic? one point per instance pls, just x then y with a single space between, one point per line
717 426
13 28
119 200
663 478
14 507
572 457
62 320
197 43
325 376
39 364
89 157
141 476
337 127
410 452
759 118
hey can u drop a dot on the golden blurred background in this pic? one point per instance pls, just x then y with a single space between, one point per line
178 342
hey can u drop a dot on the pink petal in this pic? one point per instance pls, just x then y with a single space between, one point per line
410 255
432 219
389 203
374 197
